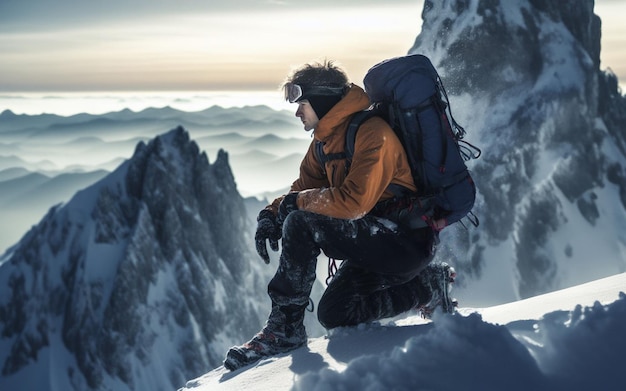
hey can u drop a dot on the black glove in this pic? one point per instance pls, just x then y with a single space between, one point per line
287 205
267 229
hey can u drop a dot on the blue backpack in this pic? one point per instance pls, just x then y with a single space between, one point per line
408 93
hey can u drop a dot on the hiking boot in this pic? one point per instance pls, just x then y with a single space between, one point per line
272 340
438 279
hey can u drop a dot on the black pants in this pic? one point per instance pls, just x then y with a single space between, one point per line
378 278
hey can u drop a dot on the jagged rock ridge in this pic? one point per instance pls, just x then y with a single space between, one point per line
141 281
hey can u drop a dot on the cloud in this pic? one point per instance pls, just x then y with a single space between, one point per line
43 14
203 50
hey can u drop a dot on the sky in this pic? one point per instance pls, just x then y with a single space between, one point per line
566 340
192 44
159 45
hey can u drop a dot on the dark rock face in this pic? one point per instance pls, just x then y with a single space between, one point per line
549 121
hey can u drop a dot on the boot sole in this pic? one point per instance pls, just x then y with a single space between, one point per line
237 357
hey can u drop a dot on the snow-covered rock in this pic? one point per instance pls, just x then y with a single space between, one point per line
141 281
525 80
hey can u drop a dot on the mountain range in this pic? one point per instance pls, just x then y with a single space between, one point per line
75 151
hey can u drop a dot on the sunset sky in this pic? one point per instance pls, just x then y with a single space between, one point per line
133 45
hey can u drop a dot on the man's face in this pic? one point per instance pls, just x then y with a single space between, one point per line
307 115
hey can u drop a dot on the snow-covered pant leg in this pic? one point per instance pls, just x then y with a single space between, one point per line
376 245
291 285
356 295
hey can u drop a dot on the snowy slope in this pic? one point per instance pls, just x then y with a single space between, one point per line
566 340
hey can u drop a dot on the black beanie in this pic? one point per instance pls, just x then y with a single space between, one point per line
323 103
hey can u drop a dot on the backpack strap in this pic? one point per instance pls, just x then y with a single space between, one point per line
324 158
416 158
355 122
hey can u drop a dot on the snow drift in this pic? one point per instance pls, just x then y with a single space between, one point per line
566 340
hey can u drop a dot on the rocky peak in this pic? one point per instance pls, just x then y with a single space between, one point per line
525 78
151 261
578 17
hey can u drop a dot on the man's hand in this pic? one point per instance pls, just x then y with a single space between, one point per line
287 205
267 228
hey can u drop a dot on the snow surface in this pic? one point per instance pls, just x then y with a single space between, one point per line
572 339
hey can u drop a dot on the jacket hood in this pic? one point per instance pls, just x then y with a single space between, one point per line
355 100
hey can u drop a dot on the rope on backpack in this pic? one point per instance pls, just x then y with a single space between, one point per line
332 269
473 219
468 151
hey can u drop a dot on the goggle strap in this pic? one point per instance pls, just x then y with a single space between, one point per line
295 92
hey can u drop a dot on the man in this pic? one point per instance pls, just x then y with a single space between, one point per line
341 211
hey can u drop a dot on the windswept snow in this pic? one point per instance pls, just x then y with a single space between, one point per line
571 339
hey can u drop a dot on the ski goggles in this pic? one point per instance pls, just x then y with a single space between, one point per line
295 92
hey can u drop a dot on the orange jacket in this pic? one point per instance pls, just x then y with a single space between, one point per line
379 159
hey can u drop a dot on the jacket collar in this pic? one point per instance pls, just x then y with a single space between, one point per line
354 101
